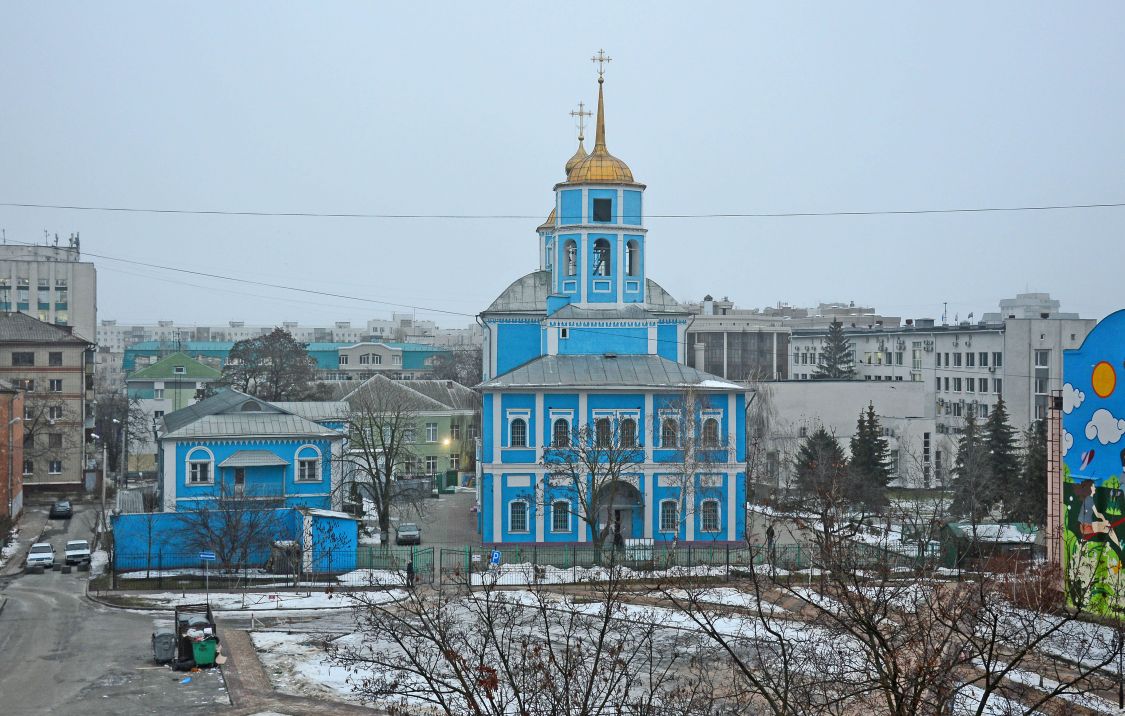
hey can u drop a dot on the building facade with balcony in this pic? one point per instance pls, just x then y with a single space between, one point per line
50 283
589 348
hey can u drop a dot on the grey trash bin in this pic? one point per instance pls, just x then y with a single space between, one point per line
164 647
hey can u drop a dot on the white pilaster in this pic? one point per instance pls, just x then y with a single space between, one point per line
552 341
168 450
649 420
650 487
732 495
653 347
541 426
620 267
580 420
689 521
732 427
541 506
497 505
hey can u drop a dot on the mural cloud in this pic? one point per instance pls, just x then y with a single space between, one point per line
1072 398
1104 427
1067 442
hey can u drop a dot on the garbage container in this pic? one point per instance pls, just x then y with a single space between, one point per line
163 647
204 651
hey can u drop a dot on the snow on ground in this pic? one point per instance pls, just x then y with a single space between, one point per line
198 572
727 597
10 547
373 577
99 558
968 699
268 601
527 573
298 664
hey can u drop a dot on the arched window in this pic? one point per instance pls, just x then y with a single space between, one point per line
517 516
710 433
669 516
308 463
602 258
517 433
628 430
560 433
571 258
709 516
669 432
549 252
633 258
251 406
604 431
560 516
200 466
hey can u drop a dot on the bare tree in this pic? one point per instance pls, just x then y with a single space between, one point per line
593 467
703 448
237 524
382 426
117 413
51 429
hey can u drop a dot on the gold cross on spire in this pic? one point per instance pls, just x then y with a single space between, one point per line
581 113
602 59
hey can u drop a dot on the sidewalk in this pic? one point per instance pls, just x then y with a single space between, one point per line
251 691
31 525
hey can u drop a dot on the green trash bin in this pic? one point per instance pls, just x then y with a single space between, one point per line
204 651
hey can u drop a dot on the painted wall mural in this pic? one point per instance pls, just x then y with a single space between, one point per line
1093 447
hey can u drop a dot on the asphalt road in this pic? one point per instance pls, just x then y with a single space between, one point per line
62 654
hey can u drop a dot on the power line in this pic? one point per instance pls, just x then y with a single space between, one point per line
478 217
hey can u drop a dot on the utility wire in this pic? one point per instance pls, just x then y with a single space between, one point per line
475 217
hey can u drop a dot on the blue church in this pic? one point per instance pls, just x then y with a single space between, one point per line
589 345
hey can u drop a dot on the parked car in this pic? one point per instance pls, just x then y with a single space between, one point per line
62 509
408 533
42 554
77 551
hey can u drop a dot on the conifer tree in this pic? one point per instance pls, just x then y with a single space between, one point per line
869 469
836 358
1003 457
822 467
970 472
1029 498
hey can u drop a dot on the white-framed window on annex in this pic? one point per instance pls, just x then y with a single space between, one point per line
517 516
308 464
709 516
669 433
669 516
560 516
431 432
200 466
560 433
517 430
710 433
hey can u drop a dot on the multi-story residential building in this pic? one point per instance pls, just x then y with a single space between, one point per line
55 368
11 454
50 283
1015 354
589 345
166 386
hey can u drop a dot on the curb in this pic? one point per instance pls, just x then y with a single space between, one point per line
3 602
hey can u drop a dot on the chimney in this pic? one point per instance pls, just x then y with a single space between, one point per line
699 348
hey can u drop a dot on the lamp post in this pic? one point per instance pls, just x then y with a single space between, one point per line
105 458
123 476
11 460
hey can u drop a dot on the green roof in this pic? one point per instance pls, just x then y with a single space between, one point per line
165 369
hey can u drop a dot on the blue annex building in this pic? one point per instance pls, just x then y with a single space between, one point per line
588 341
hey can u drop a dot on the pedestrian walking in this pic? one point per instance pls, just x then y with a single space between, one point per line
410 574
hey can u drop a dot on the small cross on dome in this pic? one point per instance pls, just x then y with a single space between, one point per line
581 113
602 59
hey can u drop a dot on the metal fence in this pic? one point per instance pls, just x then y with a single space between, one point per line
395 559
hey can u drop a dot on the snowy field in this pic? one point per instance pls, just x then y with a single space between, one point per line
268 601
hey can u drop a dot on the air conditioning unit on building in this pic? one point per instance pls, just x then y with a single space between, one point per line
956 342
991 369
968 342
928 346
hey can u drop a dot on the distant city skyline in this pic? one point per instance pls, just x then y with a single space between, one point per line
453 110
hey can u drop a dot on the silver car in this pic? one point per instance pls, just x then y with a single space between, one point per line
408 533
42 554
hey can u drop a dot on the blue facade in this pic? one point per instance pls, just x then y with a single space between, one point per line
591 298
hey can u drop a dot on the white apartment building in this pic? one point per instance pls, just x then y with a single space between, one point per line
50 283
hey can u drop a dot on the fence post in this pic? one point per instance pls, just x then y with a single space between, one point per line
160 567
728 562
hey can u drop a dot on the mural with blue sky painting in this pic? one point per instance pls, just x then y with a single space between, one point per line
1093 444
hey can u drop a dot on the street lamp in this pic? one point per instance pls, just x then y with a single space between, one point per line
11 448
124 476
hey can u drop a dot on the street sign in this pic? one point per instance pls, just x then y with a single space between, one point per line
207 556
494 558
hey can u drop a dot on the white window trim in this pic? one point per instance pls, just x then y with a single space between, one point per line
512 416
527 518
569 429
434 439
189 460
569 514
660 515
668 415
718 516
51 467
297 458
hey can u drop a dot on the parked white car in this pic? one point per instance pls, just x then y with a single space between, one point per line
77 551
42 554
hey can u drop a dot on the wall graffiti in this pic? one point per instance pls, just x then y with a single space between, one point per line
1093 446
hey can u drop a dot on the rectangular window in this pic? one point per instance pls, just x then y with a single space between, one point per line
517 516
158 394
200 473
970 384
27 384
23 358
956 360
669 517
455 431
983 359
397 359
970 360
983 384
956 385
54 358
603 210
938 381
946 382
307 469
709 516
1040 386
179 369
1042 359
982 411
28 467
998 359
997 386
158 414
1040 412
560 517
898 357
365 359
54 440
55 412
454 461
54 467
431 432
431 464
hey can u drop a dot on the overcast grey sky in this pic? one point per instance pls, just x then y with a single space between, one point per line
462 108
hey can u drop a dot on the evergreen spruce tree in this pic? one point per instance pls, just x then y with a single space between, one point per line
970 472
822 467
1029 498
836 362
1003 458
869 470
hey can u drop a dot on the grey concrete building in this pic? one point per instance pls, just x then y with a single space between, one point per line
50 283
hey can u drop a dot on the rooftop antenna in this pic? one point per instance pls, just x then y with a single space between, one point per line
944 311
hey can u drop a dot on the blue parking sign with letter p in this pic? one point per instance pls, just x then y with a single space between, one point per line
494 558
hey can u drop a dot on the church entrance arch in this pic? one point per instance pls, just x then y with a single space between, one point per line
620 510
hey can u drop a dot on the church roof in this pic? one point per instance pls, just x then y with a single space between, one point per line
233 413
599 166
634 371
528 294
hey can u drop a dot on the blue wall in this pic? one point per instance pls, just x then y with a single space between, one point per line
516 344
607 339
570 207
631 212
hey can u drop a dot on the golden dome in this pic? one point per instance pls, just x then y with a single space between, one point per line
579 155
549 224
600 166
